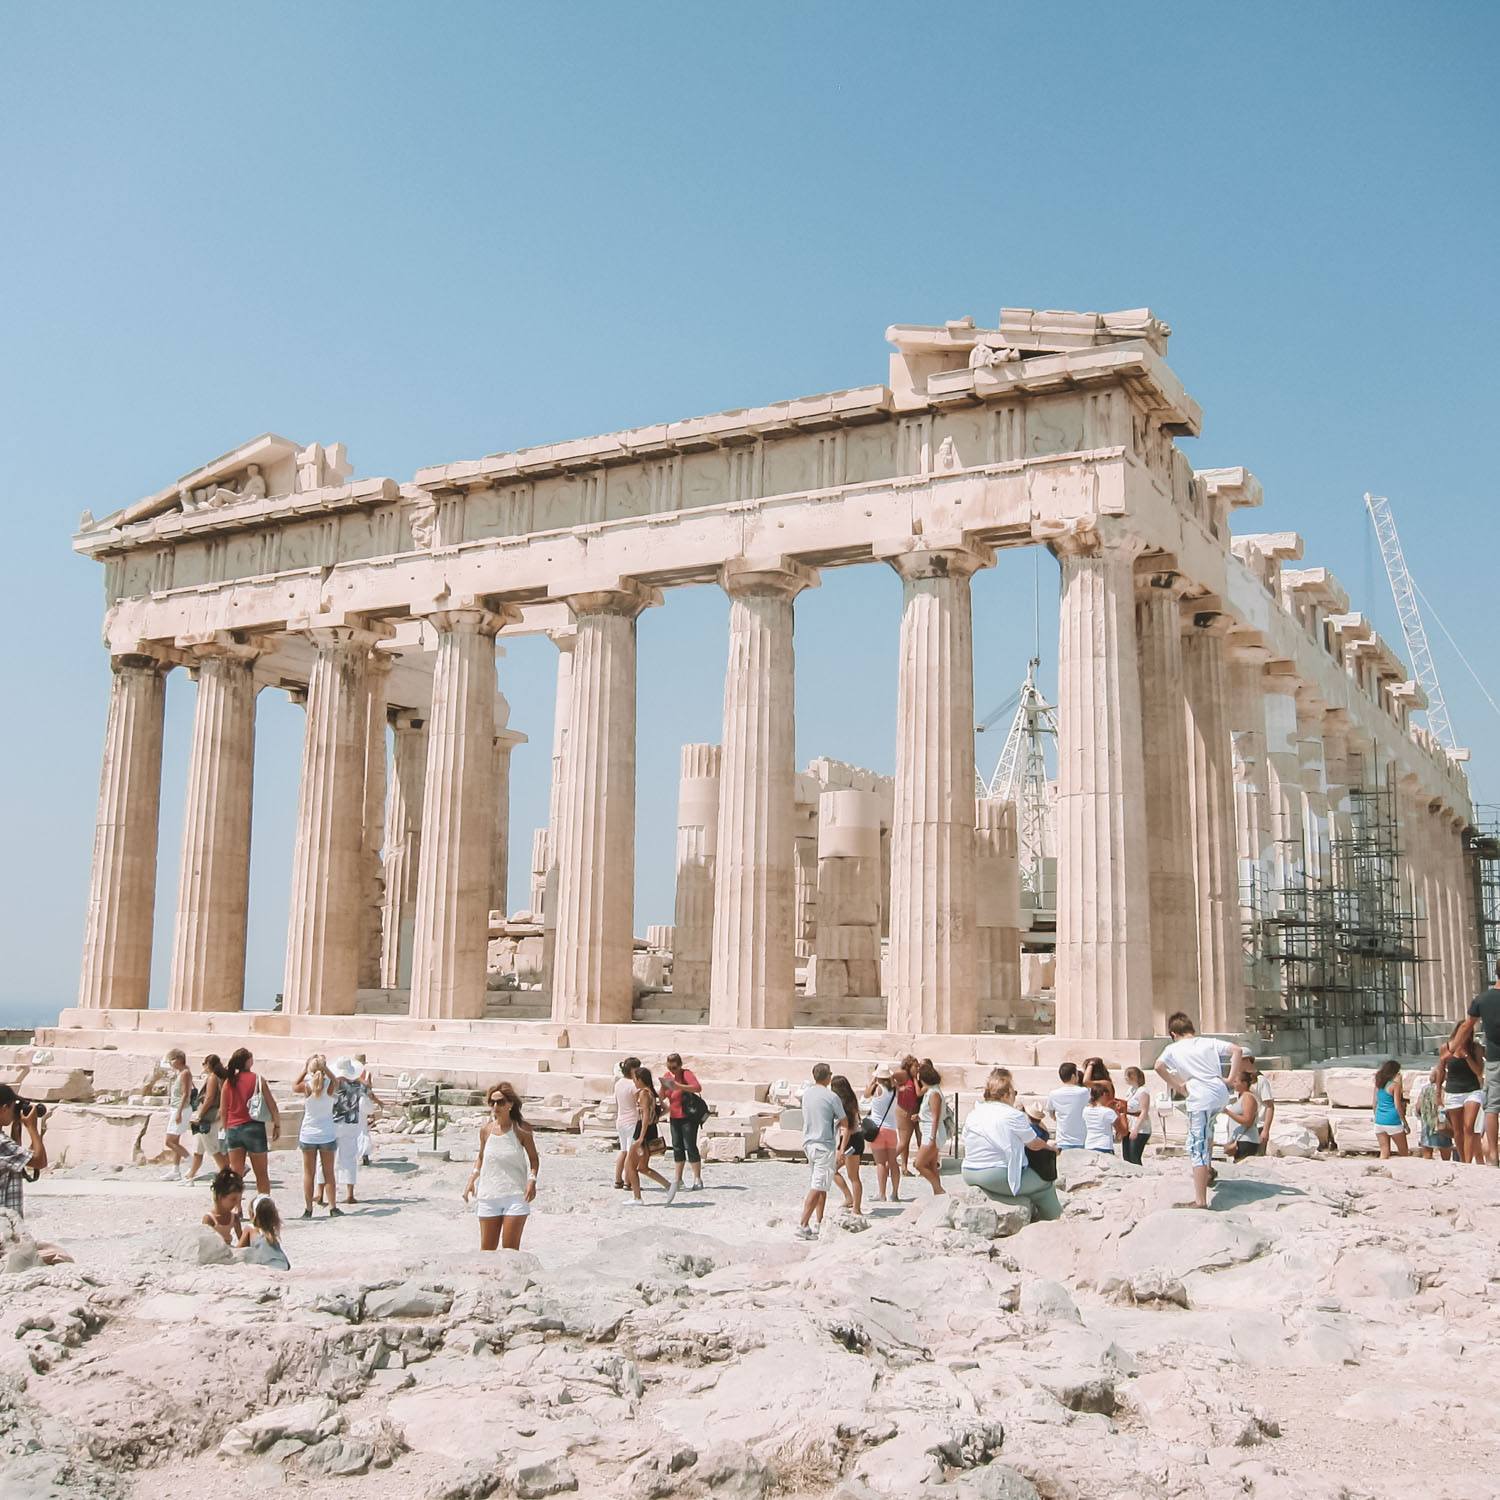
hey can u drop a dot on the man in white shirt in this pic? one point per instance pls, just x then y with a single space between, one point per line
1066 1105
1194 1065
820 1110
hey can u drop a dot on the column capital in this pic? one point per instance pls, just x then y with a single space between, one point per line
143 659
331 637
565 638
627 599
1084 539
473 617
1155 577
1204 615
406 718
760 577
933 557
234 645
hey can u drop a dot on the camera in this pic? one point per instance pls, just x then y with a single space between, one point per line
29 1109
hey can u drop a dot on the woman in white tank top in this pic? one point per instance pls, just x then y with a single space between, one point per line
503 1184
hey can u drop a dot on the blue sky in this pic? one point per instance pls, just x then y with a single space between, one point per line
435 232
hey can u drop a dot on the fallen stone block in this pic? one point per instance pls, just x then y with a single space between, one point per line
536 1479
1049 1302
726 1148
1293 1140
783 1142
1292 1085
306 1421
1349 1088
103 1135
409 1300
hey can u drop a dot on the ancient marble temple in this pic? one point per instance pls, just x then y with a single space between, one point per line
1218 707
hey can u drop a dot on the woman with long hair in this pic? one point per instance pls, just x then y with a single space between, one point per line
850 1150
179 1107
503 1184
931 1132
317 1138
1460 1077
247 1104
907 1094
882 1106
203 1124
647 1140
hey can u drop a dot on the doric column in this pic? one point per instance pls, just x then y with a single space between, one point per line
1103 905
116 971
1245 671
594 843
998 880
371 868
1311 753
451 935
322 949
932 965
846 940
544 841
1221 969
1174 917
751 983
697 833
506 740
1283 786
403 845
208 954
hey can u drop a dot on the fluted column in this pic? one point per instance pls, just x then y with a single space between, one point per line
451 933
371 867
208 954
1283 786
1315 821
506 740
932 966
1221 970
403 845
594 839
116 970
322 951
697 835
1103 904
1245 671
753 965
1174 918
544 841
998 878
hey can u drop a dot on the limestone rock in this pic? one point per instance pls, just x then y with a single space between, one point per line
409 1300
534 1480
1047 1302
1175 1242
1349 1088
1293 1140
304 1421
996 1482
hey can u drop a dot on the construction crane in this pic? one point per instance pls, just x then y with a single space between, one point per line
1021 775
1404 592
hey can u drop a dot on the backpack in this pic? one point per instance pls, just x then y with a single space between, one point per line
694 1107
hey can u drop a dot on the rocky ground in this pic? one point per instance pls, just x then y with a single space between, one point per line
1330 1329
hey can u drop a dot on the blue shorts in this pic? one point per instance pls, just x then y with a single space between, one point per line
1200 1141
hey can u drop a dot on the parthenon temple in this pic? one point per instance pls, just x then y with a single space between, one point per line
1245 813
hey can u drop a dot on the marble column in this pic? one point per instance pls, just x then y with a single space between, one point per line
998 879
450 939
208 953
1221 969
403 845
1316 830
1103 904
1174 916
544 842
506 740
1245 672
1283 788
116 970
752 978
845 957
932 964
594 844
697 833
371 867
322 952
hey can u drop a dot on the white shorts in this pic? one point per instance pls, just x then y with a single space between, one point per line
1457 1101
1391 1130
177 1121
625 1134
821 1160
513 1207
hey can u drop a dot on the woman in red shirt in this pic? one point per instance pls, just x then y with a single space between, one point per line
905 1080
676 1083
244 1132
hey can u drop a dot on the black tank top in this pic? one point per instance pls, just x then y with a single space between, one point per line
1459 1079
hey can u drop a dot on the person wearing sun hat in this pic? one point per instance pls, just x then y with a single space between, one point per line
881 1108
349 1092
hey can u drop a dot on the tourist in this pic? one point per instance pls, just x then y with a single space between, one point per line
1137 1115
179 1107
262 1236
1094 1071
1003 1150
1484 1010
932 1129
317 1137
646 1140
1260 1086
906 1110
369 1103
849 1149
1460 1074
686 1111
1434 1133
350 1092
1194 1065
227 1189
19 1161
1390 1110
626 1113
1066 1104
247 1105
882 1096
203 1124
1243 1113
820 1113
1103 1124
503 1183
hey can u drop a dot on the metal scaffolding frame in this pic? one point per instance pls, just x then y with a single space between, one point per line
1483 847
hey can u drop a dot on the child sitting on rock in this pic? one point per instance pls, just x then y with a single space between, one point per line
262 1236
228 1188
1242 1112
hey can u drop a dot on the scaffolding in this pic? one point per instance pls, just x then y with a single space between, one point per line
1345 937
1483 847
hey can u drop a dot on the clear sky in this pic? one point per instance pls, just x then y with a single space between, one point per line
434 232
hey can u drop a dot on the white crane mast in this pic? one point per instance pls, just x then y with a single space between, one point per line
1021 776
1404 593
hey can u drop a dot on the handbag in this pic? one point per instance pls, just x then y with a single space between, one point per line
694 1107
257 1108
867 1126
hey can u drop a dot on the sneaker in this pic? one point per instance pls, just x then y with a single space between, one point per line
635 1202
806 1232
335 1213
307 1213
172 1174
696 1187
620 1185
671 1195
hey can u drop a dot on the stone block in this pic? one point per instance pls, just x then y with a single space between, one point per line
1292 1085
1349 1088
827 978
848 942
106 1135
54 1085
864 977
782 1141
726 1148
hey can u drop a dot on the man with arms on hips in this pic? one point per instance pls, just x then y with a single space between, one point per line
1194 1065
1484 1010
1066 1104
820 1112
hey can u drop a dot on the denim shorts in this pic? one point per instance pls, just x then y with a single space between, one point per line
249 1138
1200 1140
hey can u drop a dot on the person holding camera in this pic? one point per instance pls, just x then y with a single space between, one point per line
19 1160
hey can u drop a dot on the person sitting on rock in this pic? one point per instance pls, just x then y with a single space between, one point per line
228 1189
261 1238
1243 1114
1001 1147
